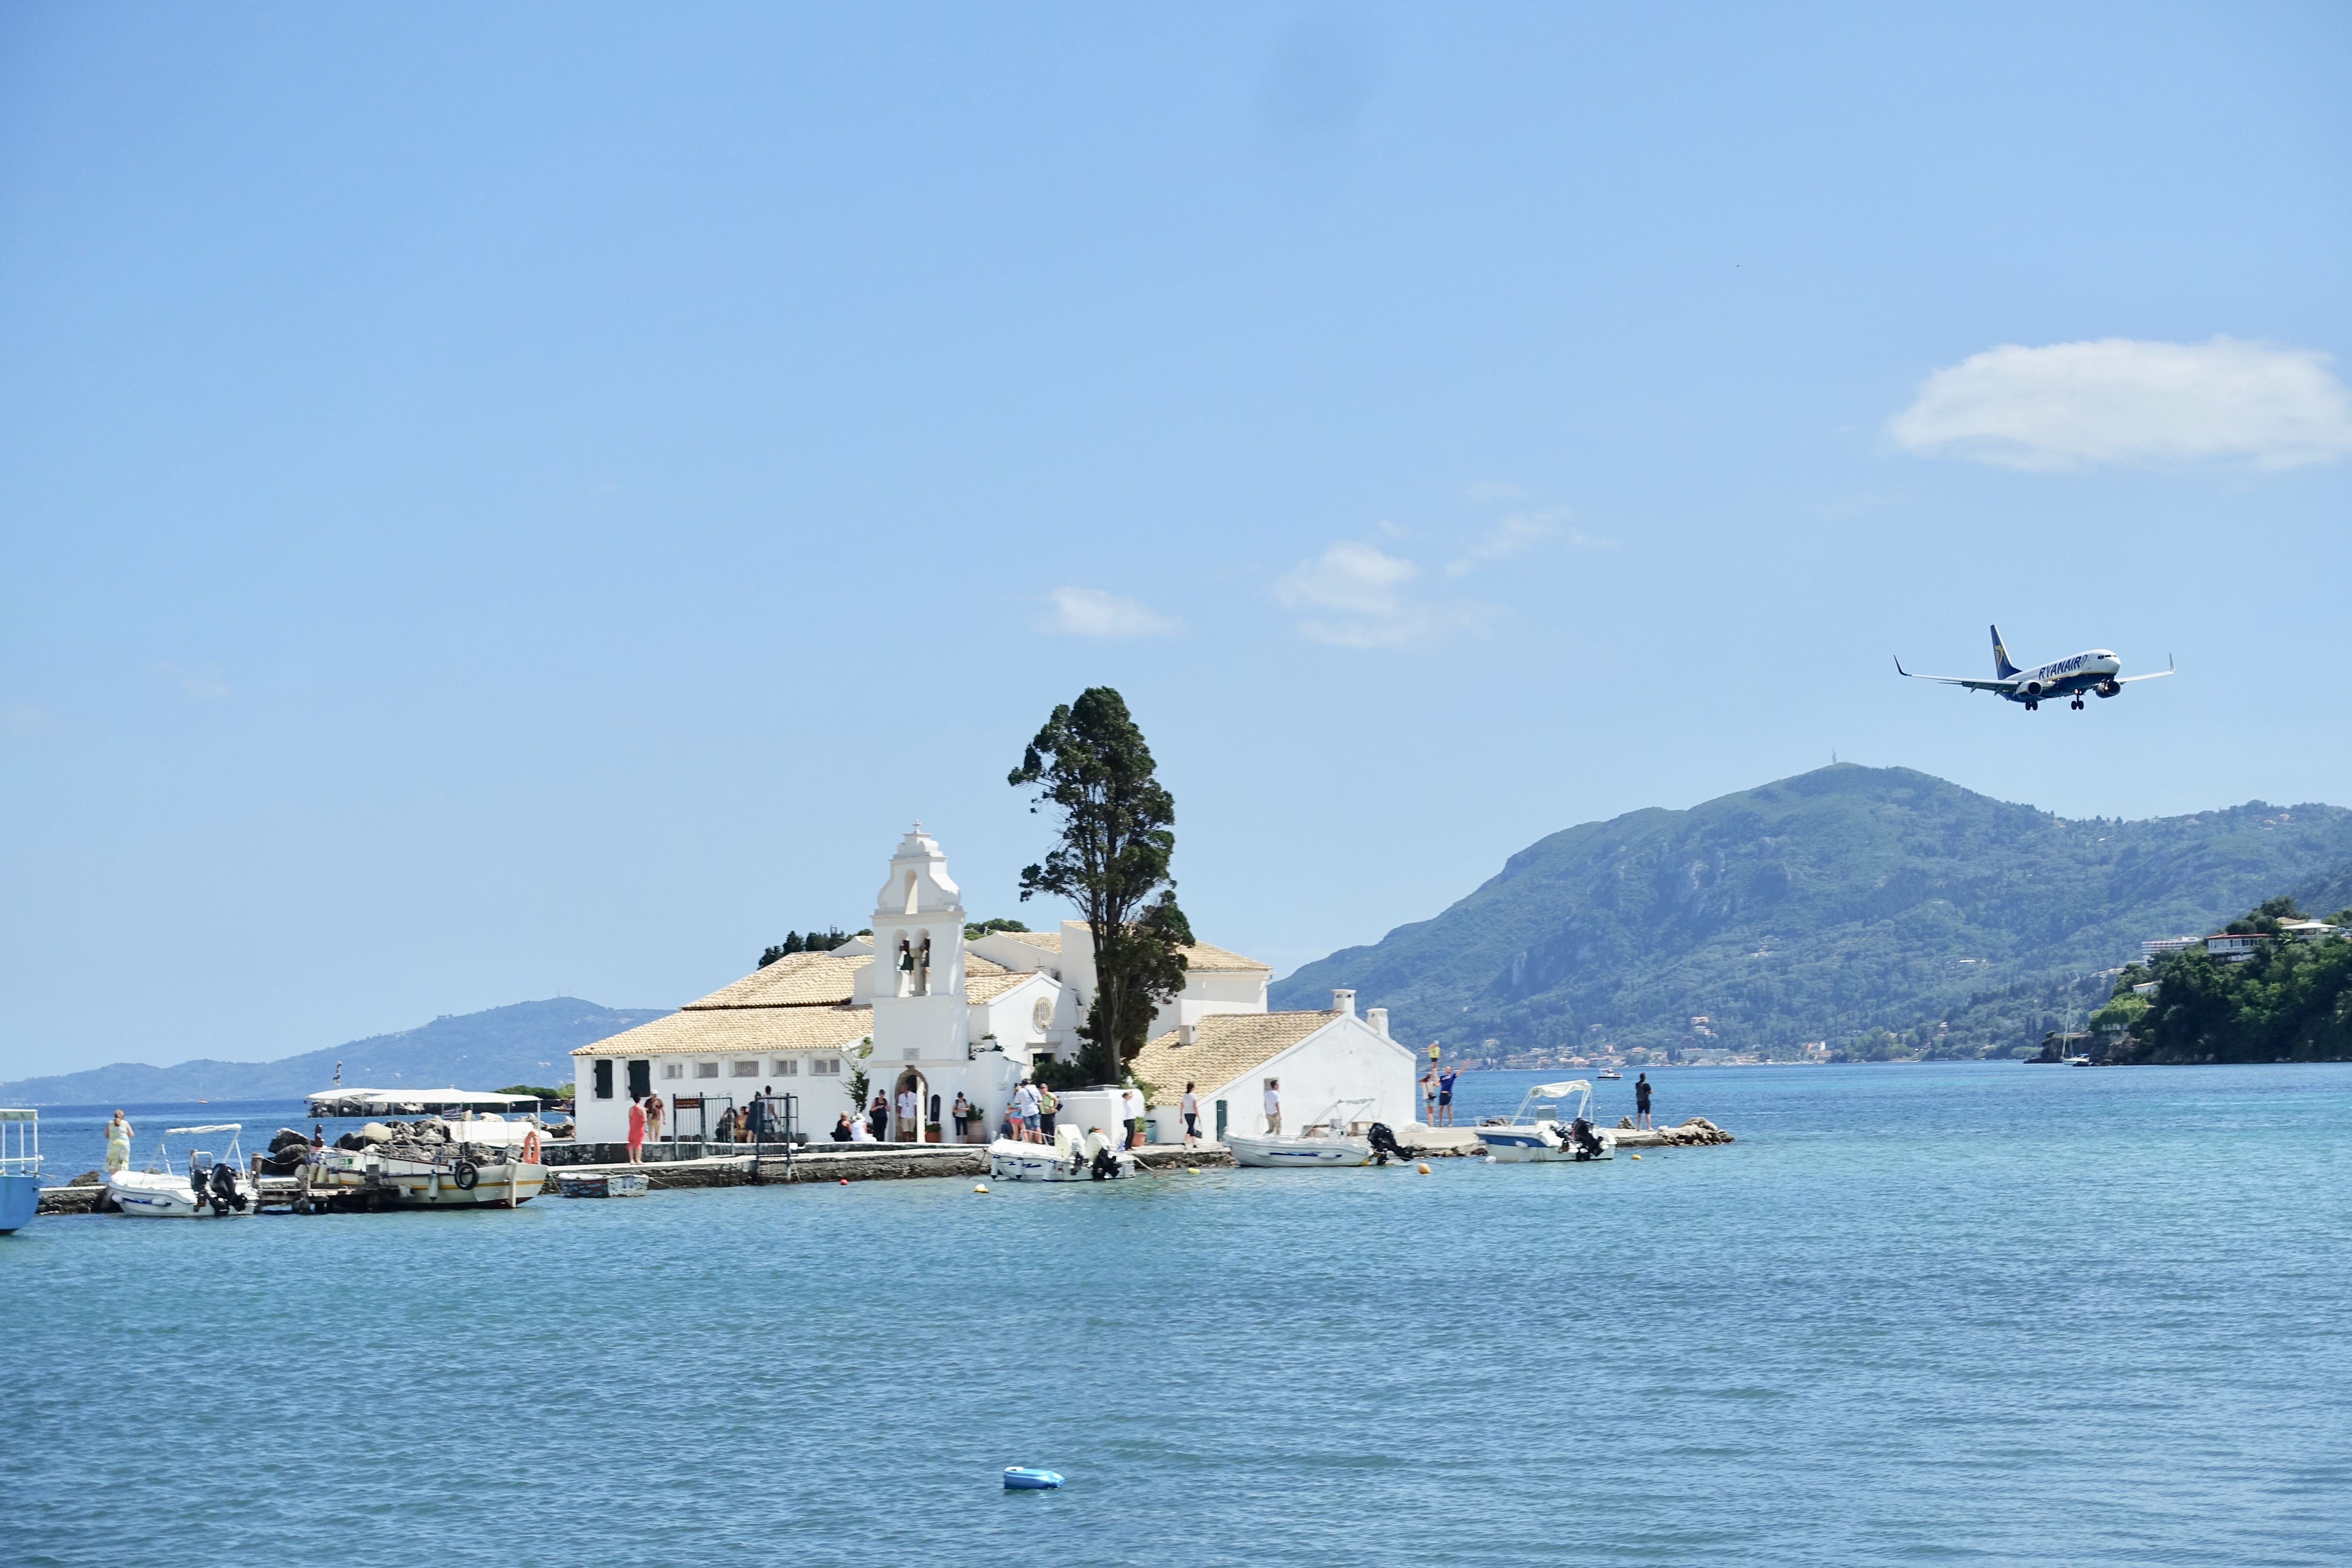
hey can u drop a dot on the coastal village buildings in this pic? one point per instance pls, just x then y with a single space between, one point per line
920 1008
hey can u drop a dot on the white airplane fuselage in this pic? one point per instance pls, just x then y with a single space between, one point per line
2093 671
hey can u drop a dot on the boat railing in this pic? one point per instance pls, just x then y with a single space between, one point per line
26 1159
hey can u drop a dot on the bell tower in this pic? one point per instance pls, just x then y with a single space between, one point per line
918 972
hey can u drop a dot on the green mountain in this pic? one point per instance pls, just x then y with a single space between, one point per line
528 1042
1840 905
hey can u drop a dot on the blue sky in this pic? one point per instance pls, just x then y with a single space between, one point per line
506 500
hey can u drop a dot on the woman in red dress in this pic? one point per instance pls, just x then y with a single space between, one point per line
637 1133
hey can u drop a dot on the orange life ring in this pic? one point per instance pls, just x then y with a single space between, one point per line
531 1147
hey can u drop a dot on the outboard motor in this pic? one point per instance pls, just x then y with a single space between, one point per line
225 1194
1106 1165
1384 1145
1587 1144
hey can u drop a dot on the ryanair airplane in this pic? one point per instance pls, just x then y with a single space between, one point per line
2098 670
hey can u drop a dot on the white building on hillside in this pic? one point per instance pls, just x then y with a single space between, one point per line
921 1009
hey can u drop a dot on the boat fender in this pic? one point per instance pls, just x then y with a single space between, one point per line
531 1148
466 1173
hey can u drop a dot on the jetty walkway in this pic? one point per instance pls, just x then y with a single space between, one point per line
832 1163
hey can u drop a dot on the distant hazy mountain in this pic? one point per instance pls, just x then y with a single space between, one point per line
529 1042
1821 907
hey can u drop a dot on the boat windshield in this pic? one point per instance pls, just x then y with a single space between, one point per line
24 1159
1548 1098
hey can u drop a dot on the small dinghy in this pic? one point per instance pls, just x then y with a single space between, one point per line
1068 1157
1020 1479
1528 1135
216 1186
603 1184
1336 1139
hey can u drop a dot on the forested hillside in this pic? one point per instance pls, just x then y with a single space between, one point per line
1854 905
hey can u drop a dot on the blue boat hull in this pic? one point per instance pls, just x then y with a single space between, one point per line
20 1200
1018 1478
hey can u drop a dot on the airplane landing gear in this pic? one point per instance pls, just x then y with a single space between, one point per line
2076 704
2033 708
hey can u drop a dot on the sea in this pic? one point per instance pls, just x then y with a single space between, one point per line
1951 1314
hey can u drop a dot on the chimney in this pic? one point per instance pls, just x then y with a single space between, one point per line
1186 1033
1344 1002
1378 1018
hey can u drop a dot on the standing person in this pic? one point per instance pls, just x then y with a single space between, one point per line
877 1116
1030 1104
910 1116
1429 1098
960 1114
1049 1105
1273 1107
1190 1106
637 1122
1642 1101
1446 1096
118 1144
1132 1100
653 1117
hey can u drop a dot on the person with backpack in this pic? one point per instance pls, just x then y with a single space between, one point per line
1048 1103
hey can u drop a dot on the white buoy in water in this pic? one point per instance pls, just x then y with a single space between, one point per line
982 1188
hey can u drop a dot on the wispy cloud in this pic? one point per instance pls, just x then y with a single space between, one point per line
1358 596
1091 613
203 684
2132 404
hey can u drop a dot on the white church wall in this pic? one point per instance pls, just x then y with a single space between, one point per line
1346 1059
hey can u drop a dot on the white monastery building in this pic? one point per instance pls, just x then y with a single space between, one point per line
942 1016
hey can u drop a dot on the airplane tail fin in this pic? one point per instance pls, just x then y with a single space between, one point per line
2000 665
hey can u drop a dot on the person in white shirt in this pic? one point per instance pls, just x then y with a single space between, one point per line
1191 1109
860 1132
910 1129
1026 1097
1132 1102
1273 1107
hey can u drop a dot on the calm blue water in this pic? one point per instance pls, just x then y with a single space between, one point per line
1988 1313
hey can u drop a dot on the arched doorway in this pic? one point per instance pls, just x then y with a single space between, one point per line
904 1129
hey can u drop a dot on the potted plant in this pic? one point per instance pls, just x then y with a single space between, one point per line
931 1132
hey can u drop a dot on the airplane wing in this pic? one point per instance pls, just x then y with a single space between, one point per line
1959 680
2153 675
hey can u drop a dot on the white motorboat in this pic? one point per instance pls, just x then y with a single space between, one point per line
1070 1157
1528 1135
1337 1139
215 1186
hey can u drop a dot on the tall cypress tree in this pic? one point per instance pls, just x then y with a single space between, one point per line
1117 837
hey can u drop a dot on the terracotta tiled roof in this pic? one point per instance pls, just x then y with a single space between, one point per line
738 1031
1200 955
1051 940
980 987
1225 1047
975 964
795 980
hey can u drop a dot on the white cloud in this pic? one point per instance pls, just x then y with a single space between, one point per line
1362 591
1091 613
1519 532
2144 405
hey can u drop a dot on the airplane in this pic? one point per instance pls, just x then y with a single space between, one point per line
2098 671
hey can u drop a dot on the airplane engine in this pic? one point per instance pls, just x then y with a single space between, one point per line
2109 687
2031 689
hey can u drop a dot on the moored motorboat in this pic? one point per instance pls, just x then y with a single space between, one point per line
1528 1135
215 1186
20 1170
1070 1157
1335 1140
440 1174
